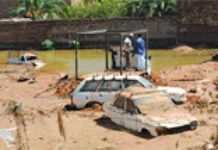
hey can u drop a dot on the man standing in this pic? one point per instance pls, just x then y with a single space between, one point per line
128 48
139 52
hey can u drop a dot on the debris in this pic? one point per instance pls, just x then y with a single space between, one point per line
63 86
23 79
21 138
184 49
7 137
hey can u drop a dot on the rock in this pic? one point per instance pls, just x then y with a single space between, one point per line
193 90
23 79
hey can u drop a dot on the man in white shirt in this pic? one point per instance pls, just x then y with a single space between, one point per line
128 48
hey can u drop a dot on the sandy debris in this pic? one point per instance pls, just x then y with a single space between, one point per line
86 131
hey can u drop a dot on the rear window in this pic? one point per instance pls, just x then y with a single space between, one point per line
90 86
29 58
110 85
128 83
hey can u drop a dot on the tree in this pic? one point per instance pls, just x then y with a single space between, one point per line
39 9
150 8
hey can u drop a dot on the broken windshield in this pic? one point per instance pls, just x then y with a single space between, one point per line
146 83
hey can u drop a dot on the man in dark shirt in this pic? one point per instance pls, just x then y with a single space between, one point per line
139 47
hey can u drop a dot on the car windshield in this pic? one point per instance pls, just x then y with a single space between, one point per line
30 58
153 102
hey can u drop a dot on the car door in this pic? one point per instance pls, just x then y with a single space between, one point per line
130 116
107 90
117 111
87 92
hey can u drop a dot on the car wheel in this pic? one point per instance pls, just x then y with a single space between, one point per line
69 107
94 106
145 133
193 125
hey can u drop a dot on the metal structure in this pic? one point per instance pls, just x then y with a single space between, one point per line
106 33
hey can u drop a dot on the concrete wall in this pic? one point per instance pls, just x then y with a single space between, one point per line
162 32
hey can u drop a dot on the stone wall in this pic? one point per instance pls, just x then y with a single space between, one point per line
6 6
198 22
162 32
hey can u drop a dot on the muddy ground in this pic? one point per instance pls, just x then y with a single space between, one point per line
36 111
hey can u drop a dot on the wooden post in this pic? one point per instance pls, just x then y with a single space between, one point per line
146 52
76 58
106 52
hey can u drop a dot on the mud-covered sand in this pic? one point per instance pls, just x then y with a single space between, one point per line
87 130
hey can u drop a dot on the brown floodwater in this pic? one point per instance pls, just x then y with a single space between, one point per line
94 60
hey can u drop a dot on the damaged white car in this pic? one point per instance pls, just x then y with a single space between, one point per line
27 59
98 89
147 111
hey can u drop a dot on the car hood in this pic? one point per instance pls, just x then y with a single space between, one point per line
172 90
38 64
170 119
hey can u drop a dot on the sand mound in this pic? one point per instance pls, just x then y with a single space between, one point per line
184 49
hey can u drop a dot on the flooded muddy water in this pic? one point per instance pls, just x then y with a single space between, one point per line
94 60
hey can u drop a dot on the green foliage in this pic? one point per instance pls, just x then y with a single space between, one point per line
150 8
88 9
39 9
94 9
48 44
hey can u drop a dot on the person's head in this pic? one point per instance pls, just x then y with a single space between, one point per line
131 35
139 35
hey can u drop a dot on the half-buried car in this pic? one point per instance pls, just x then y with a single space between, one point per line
145 110
98 89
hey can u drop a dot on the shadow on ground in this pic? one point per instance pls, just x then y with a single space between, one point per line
107 123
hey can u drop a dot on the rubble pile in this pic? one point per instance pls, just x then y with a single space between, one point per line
66 87
204 96
186 76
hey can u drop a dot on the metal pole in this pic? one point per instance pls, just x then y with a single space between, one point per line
106 52
76 58
146 53
121 61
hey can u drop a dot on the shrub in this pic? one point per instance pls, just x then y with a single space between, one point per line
48 44
98 9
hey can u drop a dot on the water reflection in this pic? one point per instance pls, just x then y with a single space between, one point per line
94 60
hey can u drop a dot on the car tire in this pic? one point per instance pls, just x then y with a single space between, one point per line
145 133
69 107
193 125
94 106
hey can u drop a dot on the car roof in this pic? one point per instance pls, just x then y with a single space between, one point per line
146 99
113 76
